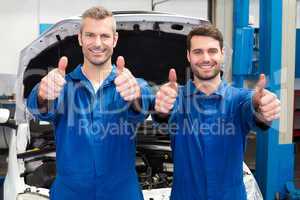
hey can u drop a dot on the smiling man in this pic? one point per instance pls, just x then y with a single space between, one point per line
94 161
210 120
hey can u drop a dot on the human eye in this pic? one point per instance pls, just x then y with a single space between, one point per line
105 36
213 51
89 35
198 51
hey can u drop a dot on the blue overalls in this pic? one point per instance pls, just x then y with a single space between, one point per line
208 134
95 139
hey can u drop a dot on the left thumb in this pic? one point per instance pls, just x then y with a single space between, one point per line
261 83
120 64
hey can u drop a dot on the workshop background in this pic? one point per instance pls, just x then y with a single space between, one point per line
22 22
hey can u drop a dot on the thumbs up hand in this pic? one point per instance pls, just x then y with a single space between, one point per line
265 102
125 82
52 84
166 95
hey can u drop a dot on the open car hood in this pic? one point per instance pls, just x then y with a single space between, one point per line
150 42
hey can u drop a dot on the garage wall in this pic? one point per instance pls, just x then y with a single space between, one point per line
298 13
19 23
254 12
18 27
52 11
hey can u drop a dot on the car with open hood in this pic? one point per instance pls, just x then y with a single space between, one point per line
151 44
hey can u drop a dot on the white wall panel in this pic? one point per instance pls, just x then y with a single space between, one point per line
195 8
52 11
19 22
254 12
18 27
298 14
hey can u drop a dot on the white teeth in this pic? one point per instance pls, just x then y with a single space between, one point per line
97 51
206 66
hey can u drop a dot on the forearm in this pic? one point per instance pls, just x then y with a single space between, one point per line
43 104
39 108
140 107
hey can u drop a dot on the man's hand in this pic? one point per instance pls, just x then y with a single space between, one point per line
125 82
166 95
265 102
52 84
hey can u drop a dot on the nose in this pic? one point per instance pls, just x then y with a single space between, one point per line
98 41
206 56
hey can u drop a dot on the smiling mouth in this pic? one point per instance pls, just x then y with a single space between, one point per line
97 51
206 67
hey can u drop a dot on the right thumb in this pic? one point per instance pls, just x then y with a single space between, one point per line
173 78
62 65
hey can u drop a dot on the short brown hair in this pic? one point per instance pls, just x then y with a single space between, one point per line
98 13
209 31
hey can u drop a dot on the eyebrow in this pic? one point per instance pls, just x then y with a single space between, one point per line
96 33
199 49
89 33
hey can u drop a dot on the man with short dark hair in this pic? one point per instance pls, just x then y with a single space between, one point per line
95 110
209 121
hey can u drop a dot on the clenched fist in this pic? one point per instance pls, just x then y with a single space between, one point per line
52 84
166 95
125 82
265 102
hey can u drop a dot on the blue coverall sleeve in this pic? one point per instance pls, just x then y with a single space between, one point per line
247 111
32 105
171 121
147 99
